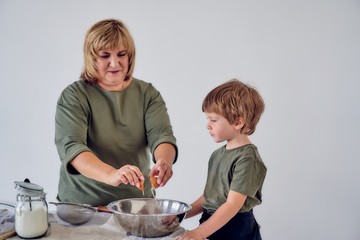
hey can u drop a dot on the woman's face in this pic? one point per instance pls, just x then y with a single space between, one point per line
112 65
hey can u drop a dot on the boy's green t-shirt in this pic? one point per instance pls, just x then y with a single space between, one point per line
240 170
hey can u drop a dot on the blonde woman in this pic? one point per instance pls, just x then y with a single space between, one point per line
110 125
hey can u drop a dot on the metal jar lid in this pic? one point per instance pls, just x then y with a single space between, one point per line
26 187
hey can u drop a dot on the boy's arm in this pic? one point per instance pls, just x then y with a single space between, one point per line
196 207
221 216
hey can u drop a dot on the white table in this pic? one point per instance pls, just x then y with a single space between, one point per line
101 226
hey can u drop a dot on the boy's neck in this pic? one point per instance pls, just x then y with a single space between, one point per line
239 141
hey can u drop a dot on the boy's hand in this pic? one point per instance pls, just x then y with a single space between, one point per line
190 235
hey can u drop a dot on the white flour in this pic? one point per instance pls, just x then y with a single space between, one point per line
30 224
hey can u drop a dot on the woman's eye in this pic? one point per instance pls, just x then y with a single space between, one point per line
122 53
104 56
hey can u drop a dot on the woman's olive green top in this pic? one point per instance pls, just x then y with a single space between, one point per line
119 127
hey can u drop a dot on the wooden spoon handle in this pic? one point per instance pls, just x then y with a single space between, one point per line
104 209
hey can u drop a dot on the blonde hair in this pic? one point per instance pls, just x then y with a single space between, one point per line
104 35
234 100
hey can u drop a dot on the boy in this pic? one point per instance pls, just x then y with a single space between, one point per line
235 171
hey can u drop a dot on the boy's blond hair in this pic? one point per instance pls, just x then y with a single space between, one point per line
233 100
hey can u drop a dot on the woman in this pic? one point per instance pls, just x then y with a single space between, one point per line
109 124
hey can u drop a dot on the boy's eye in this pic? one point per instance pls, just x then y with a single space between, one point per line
211 120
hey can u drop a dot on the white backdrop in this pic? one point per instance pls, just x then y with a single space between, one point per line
303 56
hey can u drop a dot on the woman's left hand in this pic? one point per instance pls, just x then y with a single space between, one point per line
163 171
164 156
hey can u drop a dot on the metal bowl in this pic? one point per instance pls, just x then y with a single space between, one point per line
74 213
149 217
7 220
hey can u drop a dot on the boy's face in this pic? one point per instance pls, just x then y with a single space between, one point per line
219 128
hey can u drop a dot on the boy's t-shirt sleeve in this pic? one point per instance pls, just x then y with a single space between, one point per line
248 176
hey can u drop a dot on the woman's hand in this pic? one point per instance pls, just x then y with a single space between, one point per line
92 167
190 235
127 174
163 171
164 156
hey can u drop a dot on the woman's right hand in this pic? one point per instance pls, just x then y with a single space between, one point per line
128 174
92 167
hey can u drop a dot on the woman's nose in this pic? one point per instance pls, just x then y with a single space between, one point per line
113 61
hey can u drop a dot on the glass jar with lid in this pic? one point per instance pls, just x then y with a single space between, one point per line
31 211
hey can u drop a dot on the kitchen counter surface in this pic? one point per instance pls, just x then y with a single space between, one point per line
101 226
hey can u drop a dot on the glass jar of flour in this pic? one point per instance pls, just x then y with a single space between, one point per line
31 212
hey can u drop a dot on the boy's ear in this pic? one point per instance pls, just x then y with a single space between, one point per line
239 124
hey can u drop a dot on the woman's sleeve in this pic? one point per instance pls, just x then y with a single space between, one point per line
71 124
157 121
